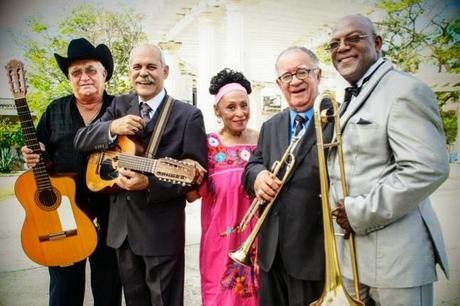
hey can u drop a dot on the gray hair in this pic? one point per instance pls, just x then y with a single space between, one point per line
310 54
151 46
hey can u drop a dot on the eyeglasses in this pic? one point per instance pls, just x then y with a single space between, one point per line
300 74
349 41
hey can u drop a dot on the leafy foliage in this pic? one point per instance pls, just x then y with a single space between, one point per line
400 34
323 55
7 160
412 27
10 141
449 117
119 31
10 134
445 46
449 121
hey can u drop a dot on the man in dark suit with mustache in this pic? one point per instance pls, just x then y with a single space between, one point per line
147 218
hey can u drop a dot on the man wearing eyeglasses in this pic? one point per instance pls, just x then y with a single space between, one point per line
395 157
291 249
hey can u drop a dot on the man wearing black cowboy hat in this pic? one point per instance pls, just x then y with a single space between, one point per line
87 68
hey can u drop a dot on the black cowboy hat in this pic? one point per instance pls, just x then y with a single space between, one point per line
80 49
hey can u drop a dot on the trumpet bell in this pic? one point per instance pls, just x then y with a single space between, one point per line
240 256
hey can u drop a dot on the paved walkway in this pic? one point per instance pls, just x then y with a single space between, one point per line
24 283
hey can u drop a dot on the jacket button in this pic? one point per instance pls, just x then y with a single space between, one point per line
128 198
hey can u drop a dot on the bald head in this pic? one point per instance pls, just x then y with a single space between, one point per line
360 21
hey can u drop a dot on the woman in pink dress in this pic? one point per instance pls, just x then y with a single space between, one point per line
224 202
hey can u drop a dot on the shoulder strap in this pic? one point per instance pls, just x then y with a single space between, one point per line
159 128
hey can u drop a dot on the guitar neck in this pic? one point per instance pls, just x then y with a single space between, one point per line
30 138
137 163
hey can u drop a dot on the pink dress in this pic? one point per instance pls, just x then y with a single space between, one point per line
224 203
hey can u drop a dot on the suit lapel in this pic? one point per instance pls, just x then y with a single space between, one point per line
305 145
133 106
367 90
282 133
151 125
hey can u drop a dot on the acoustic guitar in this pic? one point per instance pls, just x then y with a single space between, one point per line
102 169
55 231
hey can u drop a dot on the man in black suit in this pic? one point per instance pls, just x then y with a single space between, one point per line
291 247
147 218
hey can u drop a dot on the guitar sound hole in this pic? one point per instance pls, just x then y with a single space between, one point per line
47 198
107 171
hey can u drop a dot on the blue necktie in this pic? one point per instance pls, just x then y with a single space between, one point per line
300 122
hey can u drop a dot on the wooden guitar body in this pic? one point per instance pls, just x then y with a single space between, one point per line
102 168
57 233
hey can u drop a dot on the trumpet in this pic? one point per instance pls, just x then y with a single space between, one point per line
241 255
334 292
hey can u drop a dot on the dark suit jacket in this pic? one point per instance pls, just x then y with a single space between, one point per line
153 220
295 221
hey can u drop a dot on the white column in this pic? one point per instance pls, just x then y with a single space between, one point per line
234 35
174 83
255 102
205 67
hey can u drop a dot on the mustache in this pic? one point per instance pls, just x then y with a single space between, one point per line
145 78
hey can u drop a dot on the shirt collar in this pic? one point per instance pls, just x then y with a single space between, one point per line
306 114
369 71
155 101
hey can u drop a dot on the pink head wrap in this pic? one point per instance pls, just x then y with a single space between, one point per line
227 88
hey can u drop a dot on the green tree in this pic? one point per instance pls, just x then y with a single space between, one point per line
412 26
409 29
445 45
10 142
119 31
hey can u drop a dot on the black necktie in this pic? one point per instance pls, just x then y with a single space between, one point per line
300 121
145 112
355 90
349 92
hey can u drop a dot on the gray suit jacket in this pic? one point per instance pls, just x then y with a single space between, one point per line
153 220
395 157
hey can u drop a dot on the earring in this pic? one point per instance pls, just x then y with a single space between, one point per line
219 121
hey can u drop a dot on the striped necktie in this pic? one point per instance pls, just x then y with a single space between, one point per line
145 112
300 122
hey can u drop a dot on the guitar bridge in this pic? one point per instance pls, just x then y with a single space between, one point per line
57 236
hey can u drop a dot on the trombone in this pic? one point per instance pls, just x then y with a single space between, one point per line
242 254
334 292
